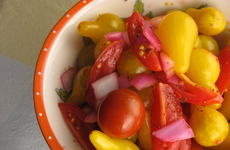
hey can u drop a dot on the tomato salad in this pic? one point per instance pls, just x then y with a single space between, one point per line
150 81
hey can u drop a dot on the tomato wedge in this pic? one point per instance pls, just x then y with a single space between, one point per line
165 109
74 117
104 65
185 144
143 48
224 78
191 92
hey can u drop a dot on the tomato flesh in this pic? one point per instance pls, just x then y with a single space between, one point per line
74 117
224 78
191 92
104 65
121 113
145 51
165 109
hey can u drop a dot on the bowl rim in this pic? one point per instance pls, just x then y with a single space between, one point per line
38 94
41 115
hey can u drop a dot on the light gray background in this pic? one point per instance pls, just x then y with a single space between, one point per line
24 26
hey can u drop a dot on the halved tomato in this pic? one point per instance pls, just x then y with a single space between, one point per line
191 92
166 109
74 117
224 78
104 65
145 51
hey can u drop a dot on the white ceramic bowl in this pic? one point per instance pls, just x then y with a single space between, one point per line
63 44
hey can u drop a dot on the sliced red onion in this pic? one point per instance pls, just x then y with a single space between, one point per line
124 82
151 36
156 21
91 117
114 36
67 79
87 109
169 73
177 130
166 62
174 79
143 80
105 85
126 38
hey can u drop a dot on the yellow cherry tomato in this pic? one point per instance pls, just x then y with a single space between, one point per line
178 33
100 46
103 142
204 68
77 96
209 20
132 138
216 105
224 109
144 133
225 145
198 43
210 127
209 43
146 96
104 23
129 65
228 43
85 57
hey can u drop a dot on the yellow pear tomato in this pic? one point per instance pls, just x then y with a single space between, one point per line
178 33
103 142
209 20
204 68
104 23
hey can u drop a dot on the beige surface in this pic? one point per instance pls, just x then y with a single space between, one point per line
25 24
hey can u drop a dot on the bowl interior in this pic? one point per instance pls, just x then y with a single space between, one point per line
63 45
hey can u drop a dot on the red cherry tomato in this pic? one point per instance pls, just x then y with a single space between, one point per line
224 78
121 113
185 144
191 92
166 109
145 52
196 146
104 65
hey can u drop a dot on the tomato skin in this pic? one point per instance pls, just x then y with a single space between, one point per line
129 65
121 113
145 52
185 144
204 68
191 92
74 117
144 134
134 27
196 146
104 65
224 78
178 39
104 23
165 109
